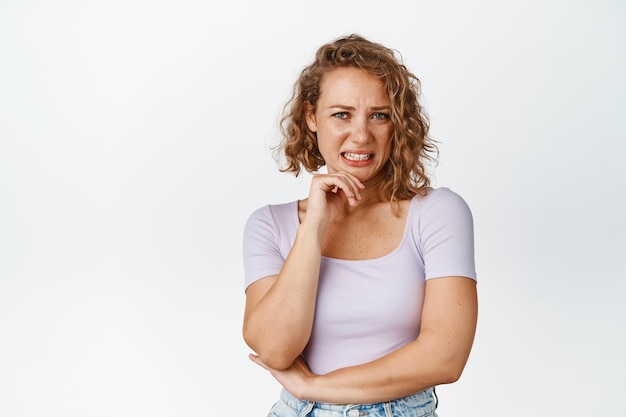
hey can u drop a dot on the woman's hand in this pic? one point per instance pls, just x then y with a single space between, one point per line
296 379
329 193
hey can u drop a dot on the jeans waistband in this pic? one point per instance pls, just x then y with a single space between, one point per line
427 397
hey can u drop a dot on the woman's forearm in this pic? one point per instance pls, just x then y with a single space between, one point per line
398 374
278 325
437 356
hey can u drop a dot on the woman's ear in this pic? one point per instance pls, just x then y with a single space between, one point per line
309 113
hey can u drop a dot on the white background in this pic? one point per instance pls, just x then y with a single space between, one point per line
134 142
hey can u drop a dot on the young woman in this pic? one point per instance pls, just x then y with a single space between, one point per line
360 298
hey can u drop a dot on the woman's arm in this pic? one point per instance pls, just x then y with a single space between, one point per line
279 310
437 356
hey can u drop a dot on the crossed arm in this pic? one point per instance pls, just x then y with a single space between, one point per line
437 356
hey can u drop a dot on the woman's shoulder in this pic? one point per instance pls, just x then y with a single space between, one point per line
440 202
273 215
438 196
274 208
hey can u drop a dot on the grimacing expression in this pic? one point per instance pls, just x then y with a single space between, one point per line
352 122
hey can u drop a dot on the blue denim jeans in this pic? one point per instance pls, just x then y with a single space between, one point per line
422 404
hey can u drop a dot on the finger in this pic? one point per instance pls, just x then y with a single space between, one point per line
355 180
350 186
254 358
344 182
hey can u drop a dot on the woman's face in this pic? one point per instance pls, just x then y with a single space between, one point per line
352 122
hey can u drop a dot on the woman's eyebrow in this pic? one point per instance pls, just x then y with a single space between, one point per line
344 107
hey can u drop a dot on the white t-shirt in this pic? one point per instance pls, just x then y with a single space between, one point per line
368 308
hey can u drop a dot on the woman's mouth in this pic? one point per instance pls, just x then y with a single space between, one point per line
357 156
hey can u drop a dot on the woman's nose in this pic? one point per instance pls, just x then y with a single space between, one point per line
360 132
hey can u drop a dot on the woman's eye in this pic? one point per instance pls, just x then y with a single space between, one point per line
379 116
341 115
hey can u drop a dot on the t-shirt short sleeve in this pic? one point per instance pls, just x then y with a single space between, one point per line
261 246
446 235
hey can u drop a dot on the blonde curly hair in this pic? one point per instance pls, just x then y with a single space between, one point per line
404 174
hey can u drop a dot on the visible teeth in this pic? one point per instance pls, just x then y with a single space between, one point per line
357 156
